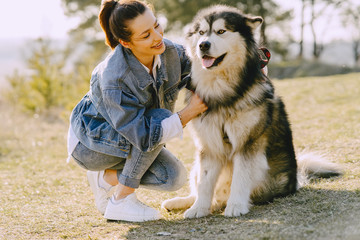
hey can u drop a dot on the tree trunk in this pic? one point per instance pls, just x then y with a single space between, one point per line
301 43
316 48
356 50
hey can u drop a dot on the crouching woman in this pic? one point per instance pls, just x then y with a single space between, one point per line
118 130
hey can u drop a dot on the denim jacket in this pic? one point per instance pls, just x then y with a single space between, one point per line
125 105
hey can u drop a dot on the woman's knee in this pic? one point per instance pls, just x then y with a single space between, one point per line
91 160
167 173
177 176
180 178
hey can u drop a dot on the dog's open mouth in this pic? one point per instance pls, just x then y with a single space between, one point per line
209 62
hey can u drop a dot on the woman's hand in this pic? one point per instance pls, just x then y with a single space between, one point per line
194 108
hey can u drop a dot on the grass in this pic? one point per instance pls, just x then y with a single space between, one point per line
43 197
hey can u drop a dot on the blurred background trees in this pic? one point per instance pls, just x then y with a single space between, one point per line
275 32
351 20
58 77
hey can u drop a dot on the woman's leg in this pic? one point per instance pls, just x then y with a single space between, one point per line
95 161
158 169
137 163
167 173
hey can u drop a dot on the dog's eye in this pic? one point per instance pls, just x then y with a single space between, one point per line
221 31
201 32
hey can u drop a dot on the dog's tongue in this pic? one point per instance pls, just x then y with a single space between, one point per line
208 61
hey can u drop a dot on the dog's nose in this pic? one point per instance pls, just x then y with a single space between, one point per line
204 46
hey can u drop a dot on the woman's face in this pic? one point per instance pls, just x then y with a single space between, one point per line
147 36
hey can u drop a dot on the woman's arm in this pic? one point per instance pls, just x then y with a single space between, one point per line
195 107
141 127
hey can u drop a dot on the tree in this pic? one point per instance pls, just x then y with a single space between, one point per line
88 32
318 10
351 21
301 42
45 86
49 82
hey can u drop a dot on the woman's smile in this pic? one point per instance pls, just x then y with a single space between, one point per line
159 45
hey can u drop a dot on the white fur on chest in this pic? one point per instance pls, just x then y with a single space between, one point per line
226 133
214 84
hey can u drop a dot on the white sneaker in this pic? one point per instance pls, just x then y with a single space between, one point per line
100 194
130 209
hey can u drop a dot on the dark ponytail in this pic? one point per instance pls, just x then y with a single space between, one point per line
114 16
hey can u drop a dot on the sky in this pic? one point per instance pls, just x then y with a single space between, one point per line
33 19
30 19
45 18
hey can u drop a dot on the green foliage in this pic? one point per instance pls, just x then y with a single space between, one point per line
46 84
42 88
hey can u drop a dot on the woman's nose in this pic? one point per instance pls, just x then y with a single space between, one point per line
159 33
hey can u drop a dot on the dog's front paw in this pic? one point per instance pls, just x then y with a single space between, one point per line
170 204
178 203
235 210
196 212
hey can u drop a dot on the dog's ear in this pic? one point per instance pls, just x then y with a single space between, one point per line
253 22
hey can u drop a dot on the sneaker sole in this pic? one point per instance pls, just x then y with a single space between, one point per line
110 216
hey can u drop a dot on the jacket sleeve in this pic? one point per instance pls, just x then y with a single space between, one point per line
141 127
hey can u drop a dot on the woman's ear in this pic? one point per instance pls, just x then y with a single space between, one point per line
125 44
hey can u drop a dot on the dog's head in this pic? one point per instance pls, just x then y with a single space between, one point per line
220 36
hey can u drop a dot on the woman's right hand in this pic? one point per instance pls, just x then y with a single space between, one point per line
194 108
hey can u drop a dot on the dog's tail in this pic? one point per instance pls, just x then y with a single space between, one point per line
314 165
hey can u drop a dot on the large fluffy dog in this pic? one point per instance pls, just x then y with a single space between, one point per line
245 148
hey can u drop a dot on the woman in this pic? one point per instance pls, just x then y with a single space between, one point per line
118 130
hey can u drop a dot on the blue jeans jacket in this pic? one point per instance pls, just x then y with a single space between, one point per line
125 105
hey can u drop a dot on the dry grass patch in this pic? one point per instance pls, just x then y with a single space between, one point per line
42 197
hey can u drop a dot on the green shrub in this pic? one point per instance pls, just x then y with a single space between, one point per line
46 83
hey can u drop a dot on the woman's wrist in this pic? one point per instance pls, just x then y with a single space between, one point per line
185 115
181 119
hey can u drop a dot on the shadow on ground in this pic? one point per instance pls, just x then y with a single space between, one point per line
309 214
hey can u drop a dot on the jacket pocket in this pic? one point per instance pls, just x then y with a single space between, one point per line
99 130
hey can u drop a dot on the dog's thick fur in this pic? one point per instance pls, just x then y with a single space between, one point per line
244 140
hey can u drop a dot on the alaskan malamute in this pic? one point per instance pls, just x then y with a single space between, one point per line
244 140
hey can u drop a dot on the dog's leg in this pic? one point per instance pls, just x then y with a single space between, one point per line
185 202
247 174
209 173
222 188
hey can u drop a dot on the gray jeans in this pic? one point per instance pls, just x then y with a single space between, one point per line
158 169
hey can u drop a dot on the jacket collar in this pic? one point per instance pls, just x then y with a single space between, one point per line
137 69
141 75
157 63
123 63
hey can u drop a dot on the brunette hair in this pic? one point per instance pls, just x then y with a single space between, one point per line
114 16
